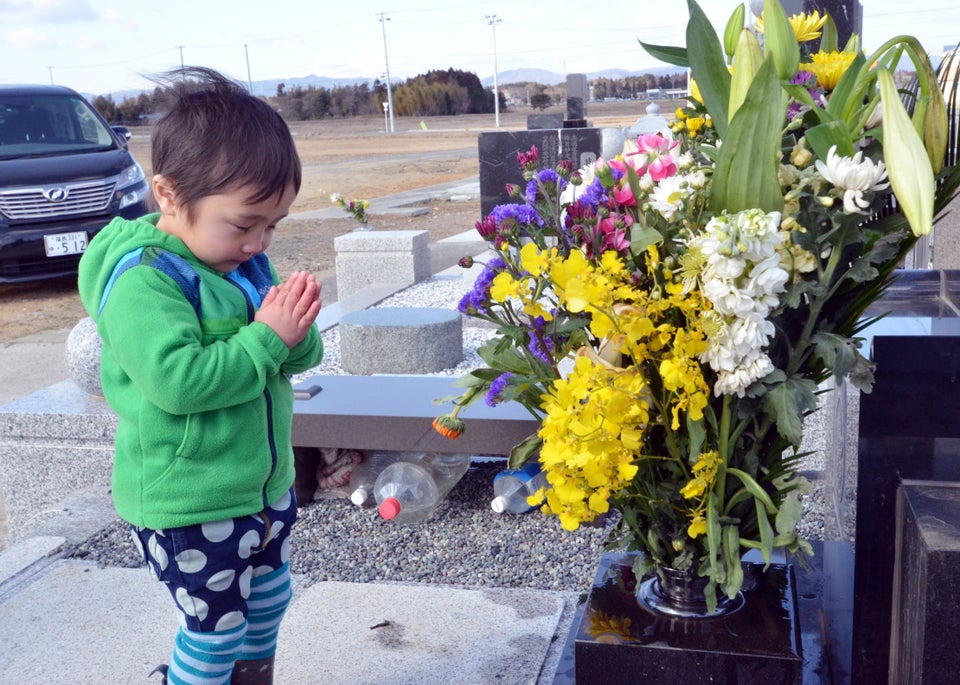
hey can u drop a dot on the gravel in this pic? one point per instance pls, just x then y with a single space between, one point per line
463 542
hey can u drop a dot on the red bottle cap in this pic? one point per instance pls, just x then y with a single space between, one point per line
389 507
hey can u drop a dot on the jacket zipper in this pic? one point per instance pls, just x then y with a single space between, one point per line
271 438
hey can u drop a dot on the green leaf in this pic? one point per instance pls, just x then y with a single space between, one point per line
837 352
828 35
745 176
642 237
714 533
824 136
524 450
760 495
842 99
696 434
766 535
788 402
664 53
709 67
791 509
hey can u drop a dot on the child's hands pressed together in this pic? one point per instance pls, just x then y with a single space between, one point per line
291 307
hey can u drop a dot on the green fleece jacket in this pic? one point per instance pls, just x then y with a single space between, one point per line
203 398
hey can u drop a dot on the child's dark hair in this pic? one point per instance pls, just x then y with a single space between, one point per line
215 137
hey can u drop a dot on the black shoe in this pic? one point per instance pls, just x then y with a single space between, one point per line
162 670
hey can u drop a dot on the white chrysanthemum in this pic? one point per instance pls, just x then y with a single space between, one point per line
854 176
668 196
685 160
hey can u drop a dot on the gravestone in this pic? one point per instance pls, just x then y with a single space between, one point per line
577 97
651 123
497 153
538 121
908 429
926 584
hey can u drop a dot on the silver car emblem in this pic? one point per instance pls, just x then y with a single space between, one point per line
56 194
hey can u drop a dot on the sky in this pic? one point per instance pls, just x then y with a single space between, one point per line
102 46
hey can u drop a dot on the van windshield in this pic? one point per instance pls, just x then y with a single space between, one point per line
39 125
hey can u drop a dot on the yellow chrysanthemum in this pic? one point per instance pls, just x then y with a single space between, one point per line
829 67
806 25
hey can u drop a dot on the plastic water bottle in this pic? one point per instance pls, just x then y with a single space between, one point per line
408 492
511 487
364 474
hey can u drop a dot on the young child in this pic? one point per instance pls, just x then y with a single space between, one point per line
198 340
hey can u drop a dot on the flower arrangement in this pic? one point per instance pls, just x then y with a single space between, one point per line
669 315
355 208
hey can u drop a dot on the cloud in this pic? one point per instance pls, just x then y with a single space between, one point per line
51 11
29 39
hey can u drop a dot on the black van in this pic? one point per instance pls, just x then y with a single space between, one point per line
64 173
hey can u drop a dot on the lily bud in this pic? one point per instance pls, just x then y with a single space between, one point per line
908 166
779 40
731 34
935 128
745 66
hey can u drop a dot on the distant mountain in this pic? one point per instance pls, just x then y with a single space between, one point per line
546 77
552 78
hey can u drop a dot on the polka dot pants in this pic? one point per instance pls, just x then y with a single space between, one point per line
208 568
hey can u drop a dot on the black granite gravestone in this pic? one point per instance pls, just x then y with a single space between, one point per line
577 96
538 121
909 429
926 588
497 152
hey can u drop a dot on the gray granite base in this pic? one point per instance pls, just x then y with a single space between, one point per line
52 443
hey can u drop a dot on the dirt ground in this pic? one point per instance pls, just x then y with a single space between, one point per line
355 158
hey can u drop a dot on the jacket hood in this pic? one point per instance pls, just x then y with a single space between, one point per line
119 238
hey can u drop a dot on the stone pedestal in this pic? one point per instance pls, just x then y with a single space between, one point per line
926 584
620 642
368 258
412 340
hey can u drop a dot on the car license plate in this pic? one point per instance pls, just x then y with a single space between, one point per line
61 244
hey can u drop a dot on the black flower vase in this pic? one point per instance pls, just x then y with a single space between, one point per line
682 594
658 631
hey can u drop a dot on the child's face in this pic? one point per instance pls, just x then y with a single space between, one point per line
226 229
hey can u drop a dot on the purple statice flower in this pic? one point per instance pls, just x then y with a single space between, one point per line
521 214
543 352
475 301
546 178
593 194
497 387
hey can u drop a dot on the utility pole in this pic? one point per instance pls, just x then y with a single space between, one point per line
249 80
180 47
50 69
492 21
383 25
